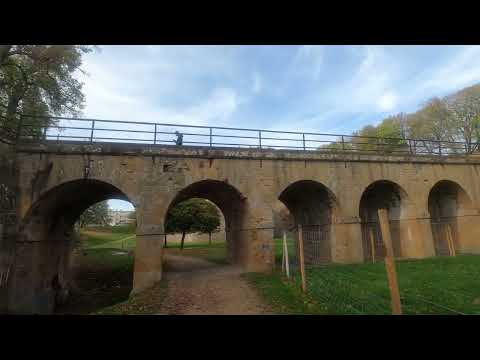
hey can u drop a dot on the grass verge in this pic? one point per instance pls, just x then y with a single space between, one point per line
435 286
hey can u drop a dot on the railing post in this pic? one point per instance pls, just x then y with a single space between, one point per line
211 140
93 129
155 137
304 147
260 138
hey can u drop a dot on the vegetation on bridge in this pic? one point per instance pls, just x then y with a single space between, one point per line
454 118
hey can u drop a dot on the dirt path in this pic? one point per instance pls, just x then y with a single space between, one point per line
199 287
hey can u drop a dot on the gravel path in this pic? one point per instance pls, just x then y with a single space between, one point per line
199 287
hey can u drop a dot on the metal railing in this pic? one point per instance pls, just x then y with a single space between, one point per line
42 128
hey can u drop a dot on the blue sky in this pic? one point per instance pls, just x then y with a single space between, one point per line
331 89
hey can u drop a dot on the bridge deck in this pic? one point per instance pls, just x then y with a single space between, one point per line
134 149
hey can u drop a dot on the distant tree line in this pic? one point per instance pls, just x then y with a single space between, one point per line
454 118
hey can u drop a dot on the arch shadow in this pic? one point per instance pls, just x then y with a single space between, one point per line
447 202
315 207
47 240
381 194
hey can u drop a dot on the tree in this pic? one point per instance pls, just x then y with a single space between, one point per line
437 125
39 80
464 110
365 139
393 131
193 215
95 214
432 124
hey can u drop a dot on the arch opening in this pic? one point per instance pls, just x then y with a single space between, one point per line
315 207
51 245
231 205
382 194
195 221
447 201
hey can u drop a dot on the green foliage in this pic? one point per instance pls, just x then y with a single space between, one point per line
95 214
464 119
454 118
194 215
39 80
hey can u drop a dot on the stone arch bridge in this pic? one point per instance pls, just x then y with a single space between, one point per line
55 182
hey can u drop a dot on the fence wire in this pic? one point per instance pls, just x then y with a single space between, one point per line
447 284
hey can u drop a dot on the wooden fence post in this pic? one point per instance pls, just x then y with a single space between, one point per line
390 262
302 262
451 247
372 243
285 254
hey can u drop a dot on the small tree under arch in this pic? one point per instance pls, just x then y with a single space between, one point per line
193 215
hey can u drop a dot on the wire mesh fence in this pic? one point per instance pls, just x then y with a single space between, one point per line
384 283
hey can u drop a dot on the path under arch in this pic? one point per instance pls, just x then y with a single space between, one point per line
199 287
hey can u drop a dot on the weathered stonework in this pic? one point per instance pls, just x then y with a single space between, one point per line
58 181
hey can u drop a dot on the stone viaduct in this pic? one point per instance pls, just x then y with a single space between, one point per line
53 183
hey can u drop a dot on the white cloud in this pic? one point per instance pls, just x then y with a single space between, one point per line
309 87
460 71
219 106
120 91
387 101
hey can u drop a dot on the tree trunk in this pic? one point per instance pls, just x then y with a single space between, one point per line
183 239
209 238
165 240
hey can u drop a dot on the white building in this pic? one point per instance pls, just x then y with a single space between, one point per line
119 217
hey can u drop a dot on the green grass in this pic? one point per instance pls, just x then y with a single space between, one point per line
105 239
103 279
216 252
440 285
278 247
